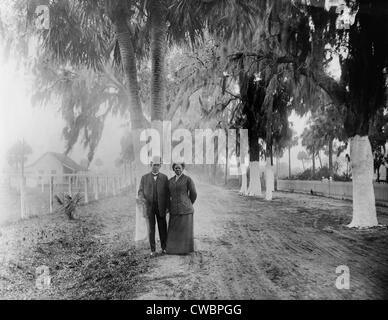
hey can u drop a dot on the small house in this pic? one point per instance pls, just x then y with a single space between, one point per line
52 163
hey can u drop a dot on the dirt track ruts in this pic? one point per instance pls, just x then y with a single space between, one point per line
246 248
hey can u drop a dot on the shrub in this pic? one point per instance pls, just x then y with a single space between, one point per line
321 172
68 204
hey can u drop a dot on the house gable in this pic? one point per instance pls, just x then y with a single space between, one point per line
53 161
46 164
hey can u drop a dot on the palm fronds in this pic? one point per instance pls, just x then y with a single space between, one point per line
68 204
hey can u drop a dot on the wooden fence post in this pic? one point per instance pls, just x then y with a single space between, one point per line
114 186
22 199
70 185
106 185
51 187
86 198
96 188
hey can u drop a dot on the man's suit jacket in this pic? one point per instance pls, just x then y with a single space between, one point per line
146 190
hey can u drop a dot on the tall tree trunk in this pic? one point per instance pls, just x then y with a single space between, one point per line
364 207
227 158
158 52
269 180
127 53
244 183
313 158
331 156
242 177
214 165
254 188
320 160
22 164
243 180
119 14
289 162
269 175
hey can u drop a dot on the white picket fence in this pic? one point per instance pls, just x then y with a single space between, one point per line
336 189
37 192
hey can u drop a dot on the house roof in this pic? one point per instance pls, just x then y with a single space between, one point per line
64 159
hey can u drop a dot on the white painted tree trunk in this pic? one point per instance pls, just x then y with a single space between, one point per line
269 180
254 179
364 207
244 184
141 230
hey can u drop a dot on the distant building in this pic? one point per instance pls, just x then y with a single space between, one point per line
53 163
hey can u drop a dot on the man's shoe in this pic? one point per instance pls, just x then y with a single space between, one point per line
164 251
152 254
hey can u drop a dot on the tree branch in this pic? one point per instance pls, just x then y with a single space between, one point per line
336 92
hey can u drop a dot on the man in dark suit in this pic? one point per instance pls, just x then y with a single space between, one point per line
154 191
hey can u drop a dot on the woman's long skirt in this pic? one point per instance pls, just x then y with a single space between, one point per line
180 237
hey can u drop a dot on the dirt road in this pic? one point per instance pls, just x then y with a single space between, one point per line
246 248
285 249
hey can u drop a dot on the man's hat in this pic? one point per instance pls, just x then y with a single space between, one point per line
156 160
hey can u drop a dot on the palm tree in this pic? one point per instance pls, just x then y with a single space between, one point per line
185 21
89 34
158 30
119 13
17 155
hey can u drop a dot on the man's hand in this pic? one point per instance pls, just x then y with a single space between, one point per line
140 200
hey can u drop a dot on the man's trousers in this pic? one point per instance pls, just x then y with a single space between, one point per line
162 227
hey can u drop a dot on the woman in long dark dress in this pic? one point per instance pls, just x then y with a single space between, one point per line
180 236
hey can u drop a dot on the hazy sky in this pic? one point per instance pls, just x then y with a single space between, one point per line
41 127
